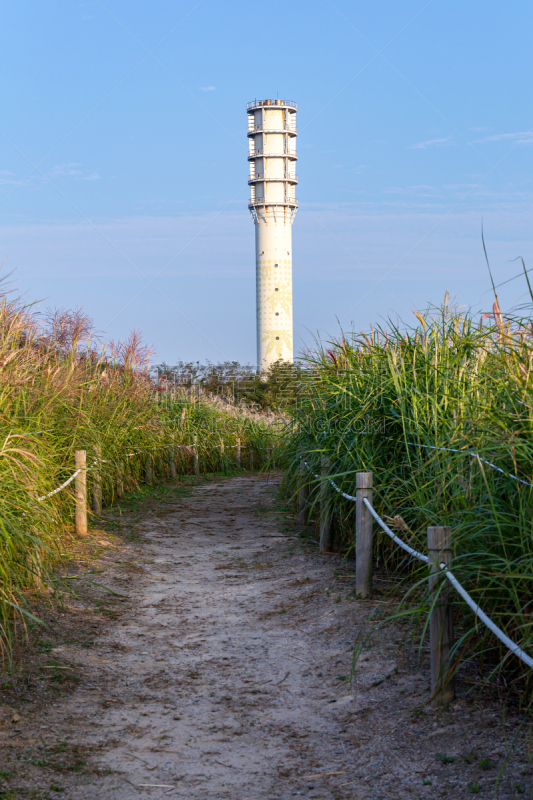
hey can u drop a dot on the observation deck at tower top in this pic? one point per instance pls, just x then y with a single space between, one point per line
270 103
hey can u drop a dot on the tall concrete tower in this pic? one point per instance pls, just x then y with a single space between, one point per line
272 157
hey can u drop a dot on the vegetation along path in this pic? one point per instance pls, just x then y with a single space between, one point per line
213 661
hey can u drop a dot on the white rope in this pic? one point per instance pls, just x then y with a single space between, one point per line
378 519
396 539
165 447
347 496
320 477
98 461
517 651
469 453
55 491
512 646
465 453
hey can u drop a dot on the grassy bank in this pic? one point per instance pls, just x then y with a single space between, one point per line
61 389
380 403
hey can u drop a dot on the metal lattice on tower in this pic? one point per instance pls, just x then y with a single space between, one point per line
272 157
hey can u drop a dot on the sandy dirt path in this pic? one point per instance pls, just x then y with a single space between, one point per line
226 675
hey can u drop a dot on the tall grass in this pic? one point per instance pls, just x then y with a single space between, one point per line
379 402
62 389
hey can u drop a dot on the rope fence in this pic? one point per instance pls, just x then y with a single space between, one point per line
466 453
439 558
470 453
395 539
59 488
79 476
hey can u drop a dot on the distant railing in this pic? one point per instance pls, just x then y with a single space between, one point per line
261 152
260 201
261 177
267 129
271 103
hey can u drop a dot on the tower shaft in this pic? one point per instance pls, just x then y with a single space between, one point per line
272 157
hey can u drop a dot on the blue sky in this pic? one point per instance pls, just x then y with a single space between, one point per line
123 174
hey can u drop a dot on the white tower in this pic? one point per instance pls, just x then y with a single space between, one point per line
272 157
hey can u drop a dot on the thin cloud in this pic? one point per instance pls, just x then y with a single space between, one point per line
522 137
71 171
429 143
208 88
65 169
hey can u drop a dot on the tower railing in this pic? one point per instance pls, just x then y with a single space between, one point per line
261 177
260 201
271 104
262 152
266 129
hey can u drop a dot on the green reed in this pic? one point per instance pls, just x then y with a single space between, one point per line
63 390
379 403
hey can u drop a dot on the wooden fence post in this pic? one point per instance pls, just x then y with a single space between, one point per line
172 463
80 492
196 460
238 451
148 471
441 619
303 497
363 534
251 460
325 506
97 482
